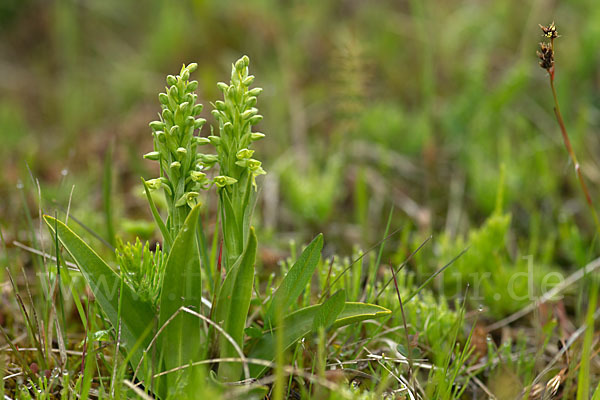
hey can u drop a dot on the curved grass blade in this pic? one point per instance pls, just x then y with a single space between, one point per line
136 315
296 279
301 323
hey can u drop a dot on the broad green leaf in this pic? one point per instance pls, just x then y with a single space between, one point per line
136 315
296 279
233 304
300 323
329 310
182 287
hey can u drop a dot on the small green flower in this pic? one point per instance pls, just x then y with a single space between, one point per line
222 181
189 198
155 184
198 176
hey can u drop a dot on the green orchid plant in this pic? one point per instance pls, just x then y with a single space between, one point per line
166 327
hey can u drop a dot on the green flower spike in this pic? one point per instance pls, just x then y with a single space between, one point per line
175 147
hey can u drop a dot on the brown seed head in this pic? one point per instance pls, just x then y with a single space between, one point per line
546 56
549 31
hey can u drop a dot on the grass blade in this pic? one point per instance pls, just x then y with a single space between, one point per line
583 381
107 195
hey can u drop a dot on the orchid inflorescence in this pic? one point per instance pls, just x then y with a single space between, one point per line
176 140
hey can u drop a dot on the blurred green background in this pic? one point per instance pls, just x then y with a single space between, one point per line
367 105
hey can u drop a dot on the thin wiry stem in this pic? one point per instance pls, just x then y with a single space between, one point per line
568 145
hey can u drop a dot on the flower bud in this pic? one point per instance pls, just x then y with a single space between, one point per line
161 136
217 114
245 60
255 91
200 141
171 80
183 107
157 125
163 98
174 131
250 101
181 151
248 80
249 113
255 119
219 105
185 75
228 128
167 115
153 155
215 140
175 165
207 160
192 67
244 153
197 109
192 86
256 136
173 93
239 64
190 98
199 122
223 86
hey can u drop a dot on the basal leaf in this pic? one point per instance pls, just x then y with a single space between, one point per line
329 310
136 315
182 287
296 279
300 323
233 305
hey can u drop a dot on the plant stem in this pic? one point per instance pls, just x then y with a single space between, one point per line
569 147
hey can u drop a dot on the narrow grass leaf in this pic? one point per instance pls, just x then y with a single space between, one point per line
583 381
107 195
